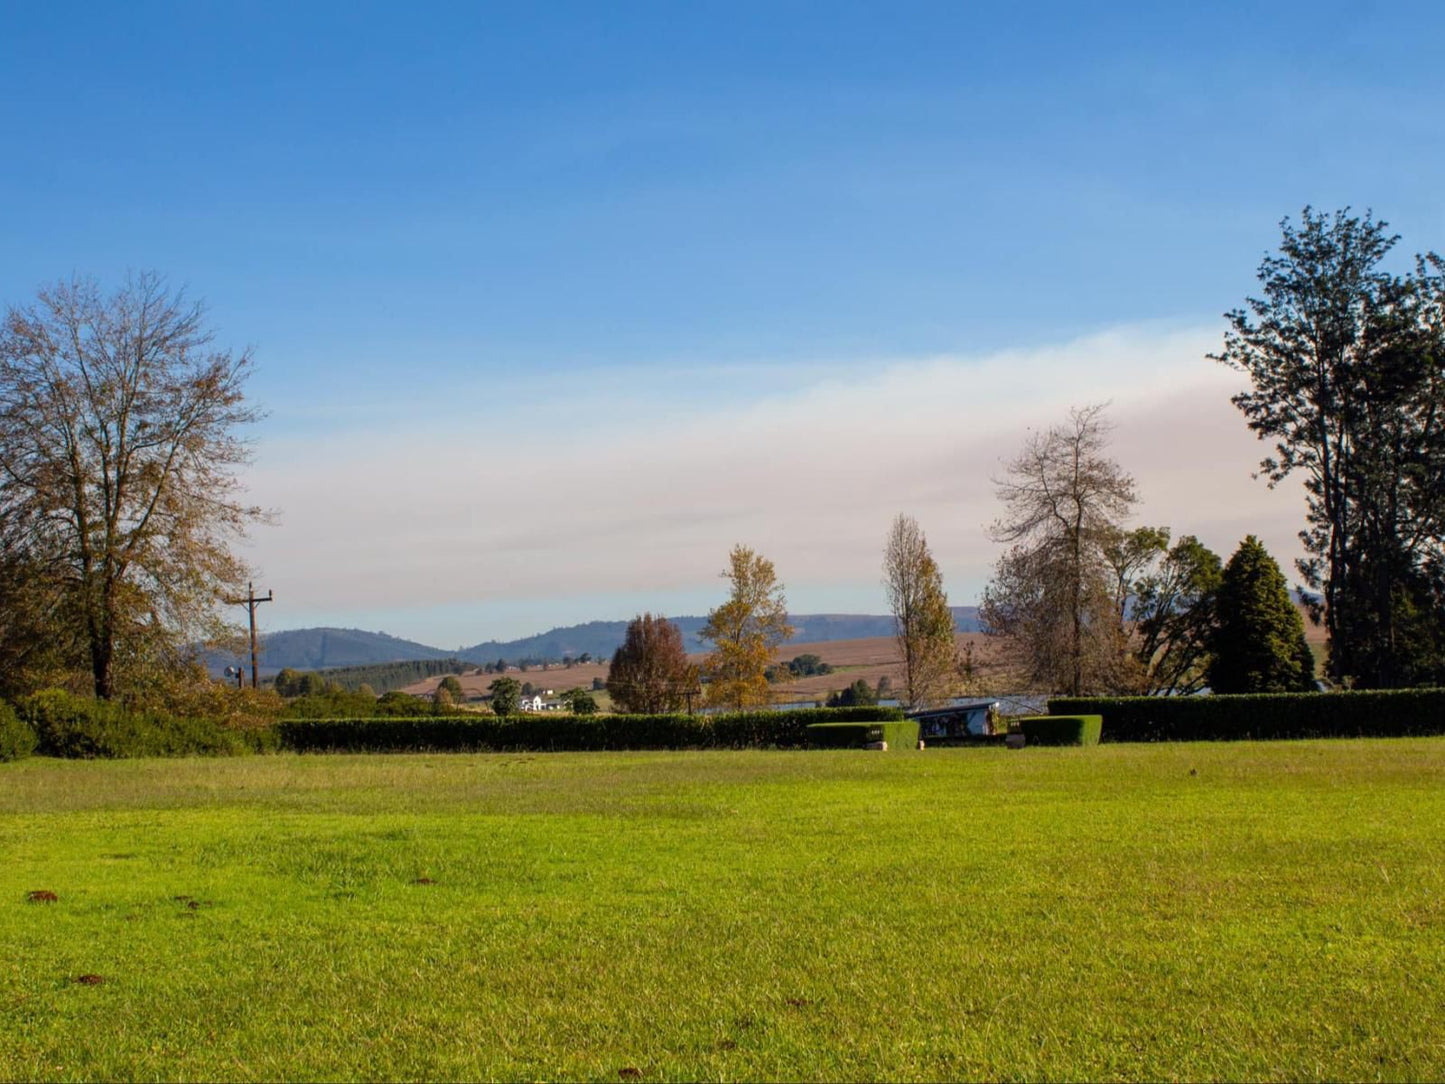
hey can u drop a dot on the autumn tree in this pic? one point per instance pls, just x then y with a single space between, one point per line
1346 377
118 453
39 640
745 632
1050 602
1259 642
650 672
922 621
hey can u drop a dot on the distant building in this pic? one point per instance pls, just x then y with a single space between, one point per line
531 703
966 719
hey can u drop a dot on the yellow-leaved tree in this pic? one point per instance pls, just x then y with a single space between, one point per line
745 632
922 620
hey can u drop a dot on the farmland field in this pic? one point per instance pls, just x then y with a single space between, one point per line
870 659
1271 911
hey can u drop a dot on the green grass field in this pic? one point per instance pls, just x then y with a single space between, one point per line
1241 911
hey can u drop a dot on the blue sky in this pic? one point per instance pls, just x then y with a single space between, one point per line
481 250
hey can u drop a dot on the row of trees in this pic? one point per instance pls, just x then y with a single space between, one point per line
1346 368
1080 603
650 671
120 506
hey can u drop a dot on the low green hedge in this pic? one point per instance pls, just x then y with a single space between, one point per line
1392 713
546 731
17 739
77 726
1061 729
899 734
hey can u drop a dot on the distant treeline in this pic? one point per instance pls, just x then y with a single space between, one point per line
380 677
383 677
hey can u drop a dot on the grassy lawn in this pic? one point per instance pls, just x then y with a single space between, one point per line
1243 911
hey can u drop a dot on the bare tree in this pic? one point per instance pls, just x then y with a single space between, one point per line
1050 601
118 450
922 621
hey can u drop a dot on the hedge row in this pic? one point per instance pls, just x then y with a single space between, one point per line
1394 713
542 732
66 725
1060 729
901 734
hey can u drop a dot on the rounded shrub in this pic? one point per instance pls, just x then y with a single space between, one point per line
17 740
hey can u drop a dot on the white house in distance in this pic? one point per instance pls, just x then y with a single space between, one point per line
531 703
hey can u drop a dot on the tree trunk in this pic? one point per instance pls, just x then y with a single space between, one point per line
101 654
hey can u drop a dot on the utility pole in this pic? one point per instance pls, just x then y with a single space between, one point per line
251 601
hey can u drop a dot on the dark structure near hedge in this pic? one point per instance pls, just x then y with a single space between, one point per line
558 733
1393 713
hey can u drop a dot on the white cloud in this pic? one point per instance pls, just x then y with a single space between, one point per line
610 489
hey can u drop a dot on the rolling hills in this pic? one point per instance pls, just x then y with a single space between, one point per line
328 648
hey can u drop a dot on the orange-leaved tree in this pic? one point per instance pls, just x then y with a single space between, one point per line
650 672
745 632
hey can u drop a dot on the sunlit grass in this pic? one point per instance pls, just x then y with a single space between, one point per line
1245 911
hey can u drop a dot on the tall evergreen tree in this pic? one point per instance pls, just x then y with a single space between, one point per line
1346 363
1259 641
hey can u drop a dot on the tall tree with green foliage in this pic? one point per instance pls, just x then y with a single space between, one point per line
1259 640
506 696
922 621
1346 362
745 632
1172 613
579 702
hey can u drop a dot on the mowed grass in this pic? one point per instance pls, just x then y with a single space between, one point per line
1242 911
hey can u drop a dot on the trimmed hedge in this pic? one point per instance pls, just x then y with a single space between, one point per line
1392 713
1060 729
76 726
17 739
556 732
899 734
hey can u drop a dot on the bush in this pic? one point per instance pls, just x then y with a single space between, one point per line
1393 713
550 731
17 739
1061 729
67 725
899 734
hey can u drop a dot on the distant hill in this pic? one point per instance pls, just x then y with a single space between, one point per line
323 649
601 638
327 648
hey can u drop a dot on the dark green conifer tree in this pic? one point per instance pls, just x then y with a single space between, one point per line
1259 643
